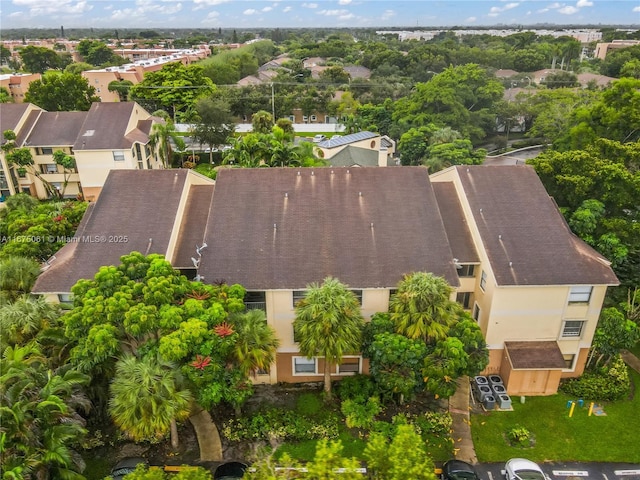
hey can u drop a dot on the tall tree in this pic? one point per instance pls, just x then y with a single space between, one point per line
329 324
262 122
422 308
121 87
257 343
147 398
39 59
59 92
162 133
214 123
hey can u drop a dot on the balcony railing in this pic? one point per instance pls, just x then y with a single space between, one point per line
256 306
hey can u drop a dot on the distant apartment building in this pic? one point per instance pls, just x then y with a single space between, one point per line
602 49
110 136
18 83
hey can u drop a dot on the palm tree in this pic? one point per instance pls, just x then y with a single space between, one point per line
17 275
421 308
39 415
329 324
256 345
147 399
159 140
25 318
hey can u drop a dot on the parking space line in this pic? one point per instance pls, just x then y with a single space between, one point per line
626 472
570 473
490 475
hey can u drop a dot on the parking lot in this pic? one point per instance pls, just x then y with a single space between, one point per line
570 471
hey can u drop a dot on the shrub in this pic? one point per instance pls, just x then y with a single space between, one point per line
610 383
279 424
359 414
356 387
519 436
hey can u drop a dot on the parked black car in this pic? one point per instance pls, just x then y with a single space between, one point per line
126 466
458 470
230 471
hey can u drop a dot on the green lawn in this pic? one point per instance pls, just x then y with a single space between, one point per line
611 438
636 350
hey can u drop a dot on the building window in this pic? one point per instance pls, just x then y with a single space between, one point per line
572 328
140 163
568 361
476 312
483 280
580 294
49 168
255 301
466 270
65 298
313 118
45 151
358 294
298 295
349 366
304 366
464 299
118 156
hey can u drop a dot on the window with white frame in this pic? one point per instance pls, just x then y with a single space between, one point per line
49 168
476 312
65 297
298 295
118 156
349 366
464 299
483 280
304 366
466 270
358 295
572 328
313 118
580 294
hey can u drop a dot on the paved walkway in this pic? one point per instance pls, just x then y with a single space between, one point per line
459 410
208 436
631 360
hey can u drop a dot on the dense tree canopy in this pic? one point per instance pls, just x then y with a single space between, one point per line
60 92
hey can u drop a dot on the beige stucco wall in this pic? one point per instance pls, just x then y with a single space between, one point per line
370 143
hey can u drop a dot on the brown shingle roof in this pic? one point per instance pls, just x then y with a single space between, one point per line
56 129
282 228
535 355
193 225
140 205
10 115
455 224
105 127
525 236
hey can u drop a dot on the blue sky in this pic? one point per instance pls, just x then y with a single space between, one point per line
310 13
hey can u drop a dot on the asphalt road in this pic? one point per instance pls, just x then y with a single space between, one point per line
570 471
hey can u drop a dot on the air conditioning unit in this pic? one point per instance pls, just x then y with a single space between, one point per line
504 402
484 391
499 390
480 380
489 402
495 380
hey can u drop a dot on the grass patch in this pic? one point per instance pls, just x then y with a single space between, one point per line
636 350
611 438
309 404
97 467
306 451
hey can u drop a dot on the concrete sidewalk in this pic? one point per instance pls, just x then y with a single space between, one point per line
459 409
208 436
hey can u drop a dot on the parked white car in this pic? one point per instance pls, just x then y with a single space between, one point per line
523 469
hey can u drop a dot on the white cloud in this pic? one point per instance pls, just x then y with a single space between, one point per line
387 14
494 11
471 19
267 9
555 5
333 13
310 5
348 16
249 11
568 10
287 9
509 6
584 3
344 2
636 9
47 7
207 3
542 10
213 15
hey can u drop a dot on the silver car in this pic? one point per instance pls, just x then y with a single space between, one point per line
523 469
